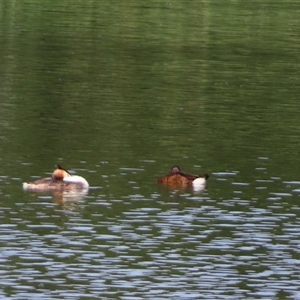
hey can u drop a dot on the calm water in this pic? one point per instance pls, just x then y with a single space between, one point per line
118 92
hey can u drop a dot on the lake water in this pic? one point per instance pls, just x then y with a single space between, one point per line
121 91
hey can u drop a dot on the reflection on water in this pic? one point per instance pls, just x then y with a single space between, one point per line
174 244
68 199
70 196
122 92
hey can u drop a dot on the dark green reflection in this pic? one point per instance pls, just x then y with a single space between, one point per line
214 82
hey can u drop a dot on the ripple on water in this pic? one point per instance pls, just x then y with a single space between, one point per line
192 247
225 174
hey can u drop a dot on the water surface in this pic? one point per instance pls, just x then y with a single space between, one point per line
121 92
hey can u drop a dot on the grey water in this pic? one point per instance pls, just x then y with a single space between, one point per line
119 92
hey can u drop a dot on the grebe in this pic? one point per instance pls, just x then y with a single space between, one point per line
60 180
177 180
